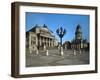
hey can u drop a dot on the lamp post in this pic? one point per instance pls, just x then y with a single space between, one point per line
61 32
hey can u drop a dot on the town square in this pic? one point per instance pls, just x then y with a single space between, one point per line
48 47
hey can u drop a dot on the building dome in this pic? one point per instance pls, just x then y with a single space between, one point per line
78 26
78 29
45 28
78 32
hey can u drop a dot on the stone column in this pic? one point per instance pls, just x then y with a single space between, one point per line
43 40
30 45
29 40
49 42
46 42
52 42
40 40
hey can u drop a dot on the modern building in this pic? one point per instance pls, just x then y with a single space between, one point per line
79 42
40 37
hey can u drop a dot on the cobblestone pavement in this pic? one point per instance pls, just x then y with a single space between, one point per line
54 58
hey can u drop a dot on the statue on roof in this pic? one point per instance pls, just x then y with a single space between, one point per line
44 26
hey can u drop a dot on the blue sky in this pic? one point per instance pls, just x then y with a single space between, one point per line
54 21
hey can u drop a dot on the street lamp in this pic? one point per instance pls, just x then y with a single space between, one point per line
61 32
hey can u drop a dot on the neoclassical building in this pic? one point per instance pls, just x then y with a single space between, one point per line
39 37
79 42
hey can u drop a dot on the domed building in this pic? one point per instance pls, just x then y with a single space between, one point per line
40 36
79 42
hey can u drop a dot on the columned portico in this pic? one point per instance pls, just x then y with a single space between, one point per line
47 41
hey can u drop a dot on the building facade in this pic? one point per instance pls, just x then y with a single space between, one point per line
67 45
40 37
79 42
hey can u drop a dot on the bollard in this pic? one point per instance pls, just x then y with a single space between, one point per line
37 52
74 52
47 53
80 52
44 48
30 51
61 52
